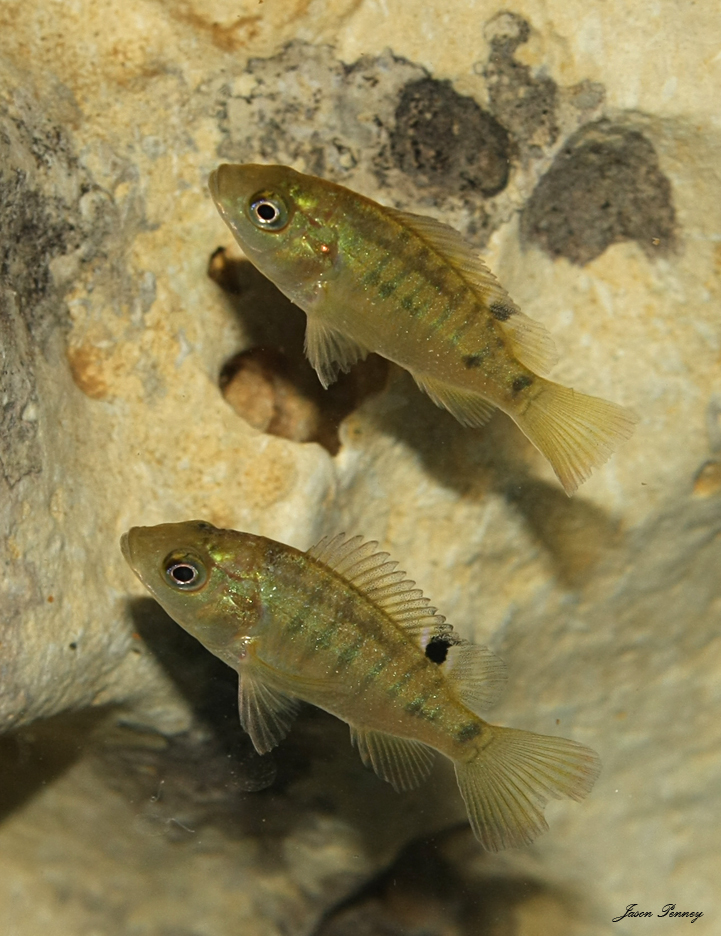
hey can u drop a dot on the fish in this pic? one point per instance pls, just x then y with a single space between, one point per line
342 628
410 288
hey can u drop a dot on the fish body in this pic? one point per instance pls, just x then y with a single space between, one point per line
341 628
372 278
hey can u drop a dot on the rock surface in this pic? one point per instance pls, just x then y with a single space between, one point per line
579 148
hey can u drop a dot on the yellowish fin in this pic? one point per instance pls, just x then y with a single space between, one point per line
403 763
506 786
469 408
575 432
330 351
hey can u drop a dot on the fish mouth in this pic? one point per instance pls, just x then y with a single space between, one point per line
213 185
126 547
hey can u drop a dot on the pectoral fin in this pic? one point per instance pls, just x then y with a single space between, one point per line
266 713
330 351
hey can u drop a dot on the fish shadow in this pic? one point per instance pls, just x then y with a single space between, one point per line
34 756
275 363
447 879
576 535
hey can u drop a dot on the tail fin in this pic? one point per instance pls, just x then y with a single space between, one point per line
575 432
507 784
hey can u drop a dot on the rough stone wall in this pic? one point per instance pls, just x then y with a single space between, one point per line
578 147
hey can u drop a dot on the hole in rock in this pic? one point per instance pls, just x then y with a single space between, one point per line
271 385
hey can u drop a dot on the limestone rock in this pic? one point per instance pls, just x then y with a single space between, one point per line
593 192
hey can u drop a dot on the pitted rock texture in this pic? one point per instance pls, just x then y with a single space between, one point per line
114 339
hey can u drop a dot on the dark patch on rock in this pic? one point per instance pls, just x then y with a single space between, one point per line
604 186
445 139
501 312
524 103
520 383
37 226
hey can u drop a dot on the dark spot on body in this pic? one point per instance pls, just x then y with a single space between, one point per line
521 383
469 731
445 140
408 304
414 707
387 289
372 278
73 646
604 186
473 360
437 649
296 622
501 312
347 655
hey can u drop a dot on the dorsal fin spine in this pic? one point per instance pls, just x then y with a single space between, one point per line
375 575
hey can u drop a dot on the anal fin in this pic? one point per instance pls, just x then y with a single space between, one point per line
330 351
266 713
403 763
469 408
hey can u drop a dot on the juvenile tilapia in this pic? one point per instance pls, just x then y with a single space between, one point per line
340 627
372 278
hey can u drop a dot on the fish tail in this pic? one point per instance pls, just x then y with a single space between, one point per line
574 431
507 784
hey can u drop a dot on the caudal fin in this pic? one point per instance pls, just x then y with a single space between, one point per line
507 785
575 432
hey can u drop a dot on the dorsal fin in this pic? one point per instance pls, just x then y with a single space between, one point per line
375 575
531 343
477 674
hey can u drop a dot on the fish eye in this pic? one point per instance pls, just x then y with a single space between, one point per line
268 212
185 572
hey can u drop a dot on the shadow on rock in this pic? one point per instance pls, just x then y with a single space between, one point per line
576 534
32 757
432 890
